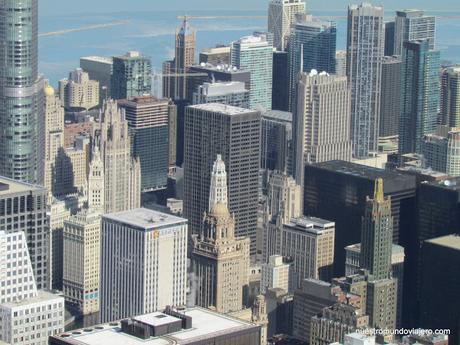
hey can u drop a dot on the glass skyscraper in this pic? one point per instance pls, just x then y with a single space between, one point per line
420 95
21 93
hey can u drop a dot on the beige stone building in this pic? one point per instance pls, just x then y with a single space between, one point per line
78 92
220 260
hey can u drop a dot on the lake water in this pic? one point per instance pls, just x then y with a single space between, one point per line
152 33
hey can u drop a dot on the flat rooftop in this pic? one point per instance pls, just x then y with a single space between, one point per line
206 324
222 108
311 224
449 184
41 297
9 186
277 115
449 241
145 218
103 59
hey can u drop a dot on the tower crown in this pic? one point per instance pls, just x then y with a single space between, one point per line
378 190
218 188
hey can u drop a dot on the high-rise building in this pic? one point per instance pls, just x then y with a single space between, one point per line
312 46
78 92
441 152
99 68
413 25
450 97
277 149
389 38
143 263
27 315
232 93
219 55
23 208
220 261
365 48
419 95
131 76
322 121
275 275
310 243
440 284
255 54
390 101
122 172
21 93
212 129
281 16
280 89
148 121
341 63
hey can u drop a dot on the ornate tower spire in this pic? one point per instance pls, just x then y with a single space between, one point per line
378 190
218 189
96 180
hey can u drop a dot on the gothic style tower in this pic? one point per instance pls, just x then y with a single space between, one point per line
96 181
219 260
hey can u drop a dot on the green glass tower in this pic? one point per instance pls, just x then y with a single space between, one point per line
21 93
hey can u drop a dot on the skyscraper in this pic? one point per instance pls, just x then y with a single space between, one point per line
441 152
450 97
281 15
322 121
390 103
420 95
132 76
21 93
413 25
122 172
99 68
220 261
143 263
312 46
234 133
389 38
231 93
148 121
255 54
78 92
280 90
365 44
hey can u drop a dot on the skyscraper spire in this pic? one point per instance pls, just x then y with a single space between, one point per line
378 190
218 188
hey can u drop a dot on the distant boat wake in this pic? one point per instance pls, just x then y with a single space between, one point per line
84 28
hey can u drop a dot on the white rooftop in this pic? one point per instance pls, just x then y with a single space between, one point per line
102 59
17 186
222 108
311 224
145 218
156 319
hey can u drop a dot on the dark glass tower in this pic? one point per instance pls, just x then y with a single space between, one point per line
21 93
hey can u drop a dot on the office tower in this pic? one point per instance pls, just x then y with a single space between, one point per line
132 76
212 129
389 38
420 95
450 97
329 188
310 243
312 46
336 321
365 42
441 152
220 261
153 249
99 68
322 121
255 54
275 274
341 63
122 172
27 315
148 122
280 90
23 208
390 101
309 300
219 55
277 145
78 92
440 284
193 326
281 16
232 93
413 25
21 93
54 140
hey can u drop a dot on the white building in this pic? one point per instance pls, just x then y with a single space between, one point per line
27 316
281 15
275 274
143 263
78 92
359 339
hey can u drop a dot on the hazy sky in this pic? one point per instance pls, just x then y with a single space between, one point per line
53 7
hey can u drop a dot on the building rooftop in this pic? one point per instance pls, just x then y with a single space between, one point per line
145 218
452 184
312 223
222 108
278 115
205 324
449 241
9 186
223 88
102 59
42 296
224 68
